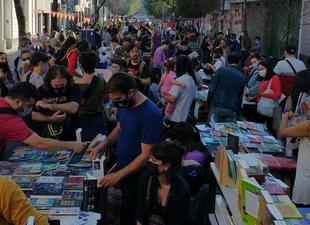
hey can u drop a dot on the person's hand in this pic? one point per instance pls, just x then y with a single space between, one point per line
110 180
77 147
41 104
2 76
58 117
97 151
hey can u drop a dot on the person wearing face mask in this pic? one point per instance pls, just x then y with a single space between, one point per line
139 127
56 112
39 61
91 117
19 102
253 84
25 65
163 195
270 87
24 45
6 78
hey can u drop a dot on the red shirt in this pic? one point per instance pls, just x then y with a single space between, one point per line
72 60
12 127
275 86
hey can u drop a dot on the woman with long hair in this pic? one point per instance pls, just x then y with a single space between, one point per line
6 78
301 84
163 195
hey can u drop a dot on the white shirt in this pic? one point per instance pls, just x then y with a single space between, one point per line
283 68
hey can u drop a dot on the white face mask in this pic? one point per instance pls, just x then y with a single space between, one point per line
25 62
262 73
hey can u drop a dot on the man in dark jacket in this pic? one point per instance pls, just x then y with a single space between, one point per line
226 92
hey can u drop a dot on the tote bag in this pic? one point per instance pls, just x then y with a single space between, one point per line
266 106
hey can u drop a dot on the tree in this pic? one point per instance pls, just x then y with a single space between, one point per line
54 19
98 7
20 18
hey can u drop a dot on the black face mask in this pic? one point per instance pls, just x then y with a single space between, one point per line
126 103
2 65
153 168
59 90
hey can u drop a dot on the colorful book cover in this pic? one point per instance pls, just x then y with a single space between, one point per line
73 195
249 192
288 210
75 179
6 171
42 202
273 188
73 186
305 212
25 172
303 105
68 203
31 166
53 190
25 186
10 165
64 211
26 179
56 173
51 179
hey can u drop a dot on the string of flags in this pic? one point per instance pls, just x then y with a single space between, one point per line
66 16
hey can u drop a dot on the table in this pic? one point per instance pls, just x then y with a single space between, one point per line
229 194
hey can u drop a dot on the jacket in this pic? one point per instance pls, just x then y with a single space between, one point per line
226 89
178 200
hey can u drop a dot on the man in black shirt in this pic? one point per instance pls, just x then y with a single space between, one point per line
138 68
59 104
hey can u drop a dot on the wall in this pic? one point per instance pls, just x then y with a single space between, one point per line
304 45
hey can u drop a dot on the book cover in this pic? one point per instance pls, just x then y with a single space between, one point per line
73 194
42 202
305 212
297 222
303 105
31 166
73 186
25 172
51 179
288 210
64 211
68 203
48 190
10 165
273 188
249 191
6 171
75 179
26 179
56 173
26 186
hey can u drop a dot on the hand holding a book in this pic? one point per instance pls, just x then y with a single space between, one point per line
77 146
97 150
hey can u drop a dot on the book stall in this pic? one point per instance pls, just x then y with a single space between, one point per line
249 194
60 184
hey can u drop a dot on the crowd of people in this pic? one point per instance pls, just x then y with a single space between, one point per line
146 107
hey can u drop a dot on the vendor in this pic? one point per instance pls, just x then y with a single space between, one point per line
19 102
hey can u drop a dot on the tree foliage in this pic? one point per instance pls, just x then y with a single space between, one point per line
182 8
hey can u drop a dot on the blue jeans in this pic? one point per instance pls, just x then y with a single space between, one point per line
222 115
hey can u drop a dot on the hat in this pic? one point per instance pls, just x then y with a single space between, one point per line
290 49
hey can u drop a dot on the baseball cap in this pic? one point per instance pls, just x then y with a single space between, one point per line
290 49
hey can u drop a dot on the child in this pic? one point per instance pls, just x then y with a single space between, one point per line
166 82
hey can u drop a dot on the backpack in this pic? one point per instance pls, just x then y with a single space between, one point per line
198 206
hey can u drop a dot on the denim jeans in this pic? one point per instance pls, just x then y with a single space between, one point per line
222 115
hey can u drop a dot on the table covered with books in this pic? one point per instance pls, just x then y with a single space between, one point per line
58 183
249 194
